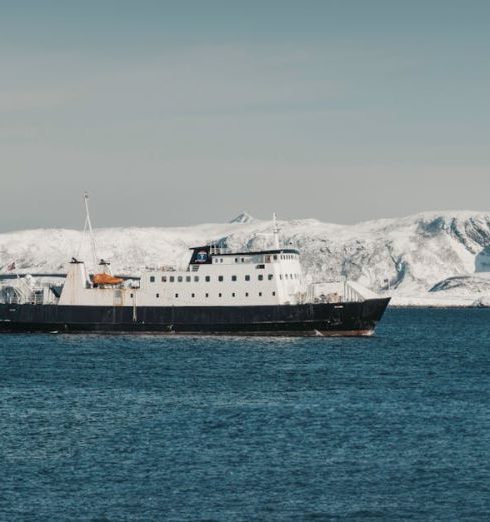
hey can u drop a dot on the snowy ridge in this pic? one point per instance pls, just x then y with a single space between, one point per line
432 258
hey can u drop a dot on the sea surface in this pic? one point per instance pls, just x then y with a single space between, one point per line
113 428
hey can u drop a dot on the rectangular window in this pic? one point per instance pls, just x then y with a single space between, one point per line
275 257
280 276
176 295
246 294
247 278
207 295
273 293
236 259
179 279
172 279
196 279
157 296
260 267
130 295
219 295
193 295
261 277
233 278
164 279
269 277
260 294
208 278
187 279
233 294
152 279
220 278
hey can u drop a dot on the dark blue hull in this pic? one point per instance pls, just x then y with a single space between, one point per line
308 319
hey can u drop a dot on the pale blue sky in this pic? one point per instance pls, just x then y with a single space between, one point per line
182 112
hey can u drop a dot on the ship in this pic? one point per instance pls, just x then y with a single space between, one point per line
219 292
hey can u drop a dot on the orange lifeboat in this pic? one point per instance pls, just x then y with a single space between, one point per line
106 279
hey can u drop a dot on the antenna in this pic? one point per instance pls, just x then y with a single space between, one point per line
90 229
275 231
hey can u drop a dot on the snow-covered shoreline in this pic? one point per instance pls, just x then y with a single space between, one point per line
430 259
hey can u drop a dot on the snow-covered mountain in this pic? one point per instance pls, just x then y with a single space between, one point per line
436 258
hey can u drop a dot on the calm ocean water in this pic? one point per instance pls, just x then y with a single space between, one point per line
111 428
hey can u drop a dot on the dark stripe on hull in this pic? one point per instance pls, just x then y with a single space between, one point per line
308 319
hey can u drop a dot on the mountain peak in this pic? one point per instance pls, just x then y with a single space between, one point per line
243 217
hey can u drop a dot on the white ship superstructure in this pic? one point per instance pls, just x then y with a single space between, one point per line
214 277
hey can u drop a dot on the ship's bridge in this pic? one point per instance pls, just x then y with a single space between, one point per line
209 254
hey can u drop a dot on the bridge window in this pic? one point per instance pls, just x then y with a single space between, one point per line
152 279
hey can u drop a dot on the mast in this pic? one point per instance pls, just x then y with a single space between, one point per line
88 223
275 231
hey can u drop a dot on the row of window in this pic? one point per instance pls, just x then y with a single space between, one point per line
268 258
188 279
233 294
